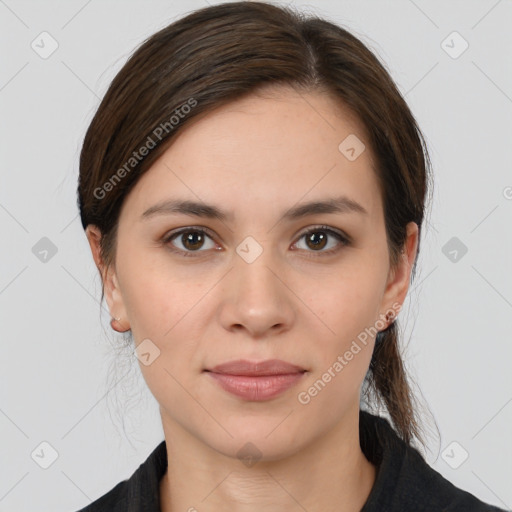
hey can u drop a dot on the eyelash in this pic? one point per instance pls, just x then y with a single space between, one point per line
343 239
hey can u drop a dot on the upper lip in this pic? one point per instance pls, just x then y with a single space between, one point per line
268 367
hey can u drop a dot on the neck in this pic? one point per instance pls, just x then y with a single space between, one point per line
330 474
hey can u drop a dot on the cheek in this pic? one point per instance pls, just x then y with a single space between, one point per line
170 312
342 361
165 313
157 300
347 304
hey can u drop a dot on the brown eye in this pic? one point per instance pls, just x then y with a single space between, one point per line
189 241
317 238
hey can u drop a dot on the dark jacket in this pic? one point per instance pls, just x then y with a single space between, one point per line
404 482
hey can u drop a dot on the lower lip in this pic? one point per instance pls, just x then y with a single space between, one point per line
258 388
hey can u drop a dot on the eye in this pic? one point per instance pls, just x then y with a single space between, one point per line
191 240
317 238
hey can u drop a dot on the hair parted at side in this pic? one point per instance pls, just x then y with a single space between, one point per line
221 53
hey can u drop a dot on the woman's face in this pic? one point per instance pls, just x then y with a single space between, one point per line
254 286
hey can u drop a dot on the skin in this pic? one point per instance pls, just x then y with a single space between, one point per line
258 157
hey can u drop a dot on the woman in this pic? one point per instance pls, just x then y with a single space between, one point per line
253 190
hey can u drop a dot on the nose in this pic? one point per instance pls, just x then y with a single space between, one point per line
257 298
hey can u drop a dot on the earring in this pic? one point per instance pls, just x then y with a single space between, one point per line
390 318
116 327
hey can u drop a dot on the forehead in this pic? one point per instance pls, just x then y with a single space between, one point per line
268 149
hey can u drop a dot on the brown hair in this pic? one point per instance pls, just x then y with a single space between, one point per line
220 53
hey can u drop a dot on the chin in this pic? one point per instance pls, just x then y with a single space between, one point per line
255 438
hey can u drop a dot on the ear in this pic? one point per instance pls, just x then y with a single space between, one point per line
108 276
399 277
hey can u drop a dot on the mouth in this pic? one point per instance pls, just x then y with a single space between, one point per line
255 369
256 381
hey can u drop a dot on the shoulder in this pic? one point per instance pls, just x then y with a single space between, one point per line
420 483
405 481
140 492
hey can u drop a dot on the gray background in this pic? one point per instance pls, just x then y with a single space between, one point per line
60 381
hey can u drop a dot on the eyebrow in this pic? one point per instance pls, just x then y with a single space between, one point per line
341 204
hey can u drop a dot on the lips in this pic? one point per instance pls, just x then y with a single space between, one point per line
248 368
256 381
